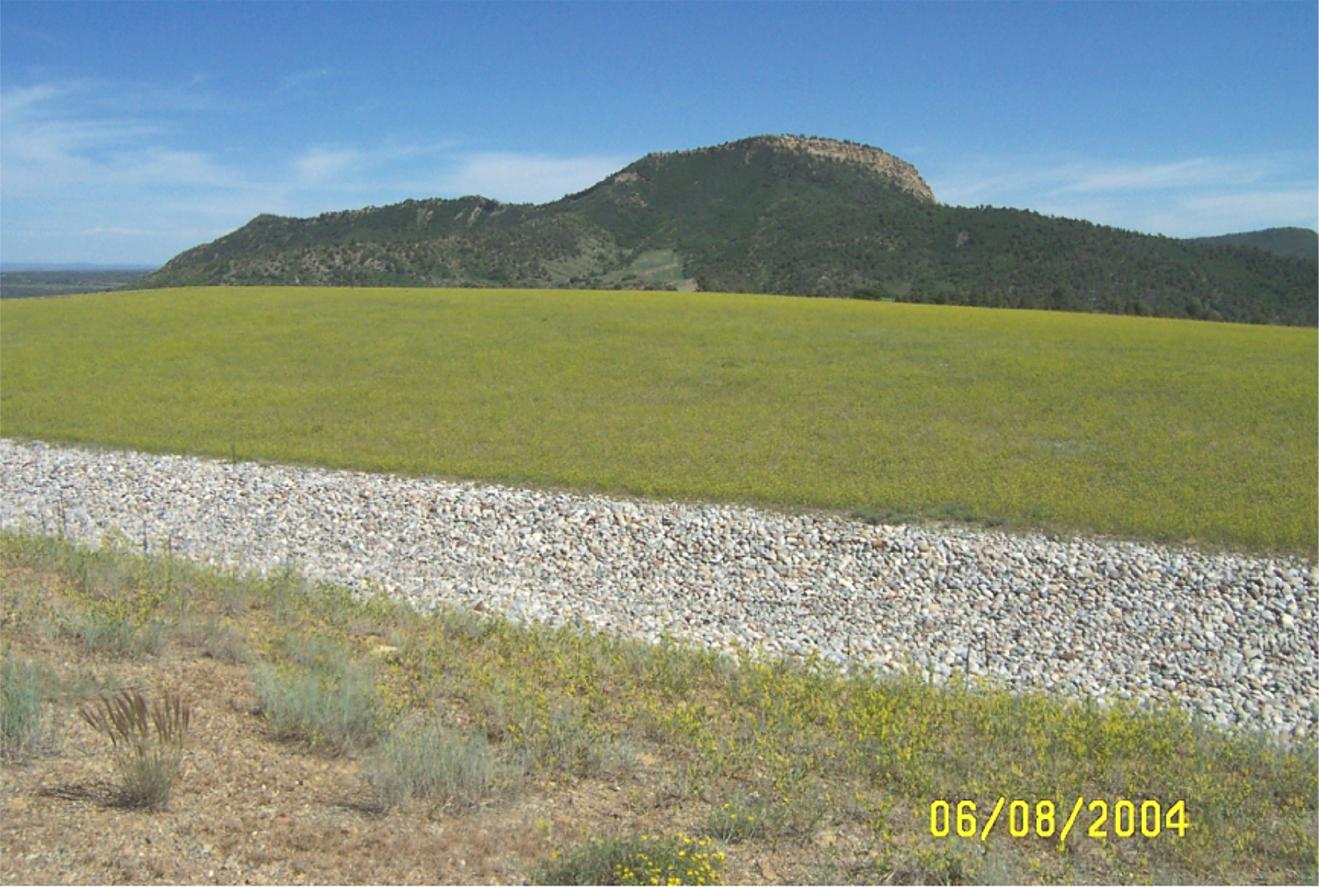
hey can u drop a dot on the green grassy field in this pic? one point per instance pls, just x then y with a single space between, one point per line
1136 427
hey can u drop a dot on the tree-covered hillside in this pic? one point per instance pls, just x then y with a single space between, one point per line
767 214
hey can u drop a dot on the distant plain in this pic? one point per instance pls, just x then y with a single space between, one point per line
1135 427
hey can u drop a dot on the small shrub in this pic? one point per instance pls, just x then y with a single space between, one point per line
956 511
648 859
433 764
147 741
336 711
21 728
567 740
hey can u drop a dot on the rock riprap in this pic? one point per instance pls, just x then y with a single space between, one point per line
1230 636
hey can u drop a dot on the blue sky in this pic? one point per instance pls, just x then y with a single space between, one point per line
129 132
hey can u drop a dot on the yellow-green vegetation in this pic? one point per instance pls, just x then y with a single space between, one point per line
1139 427
772 760
647 859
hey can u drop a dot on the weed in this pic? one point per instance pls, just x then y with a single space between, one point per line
742 820
21 718
565 738
234 597
147 741
89 682
553 735
119 601
647 859
956 511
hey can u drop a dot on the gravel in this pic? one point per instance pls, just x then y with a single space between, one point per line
1229 636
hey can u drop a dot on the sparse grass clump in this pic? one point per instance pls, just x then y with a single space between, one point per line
432 763
328 701
147 740
921 859
216 639
22 727
553 735
647 859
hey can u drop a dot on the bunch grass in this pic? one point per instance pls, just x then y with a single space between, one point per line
147 739
432 763
334 710
23 725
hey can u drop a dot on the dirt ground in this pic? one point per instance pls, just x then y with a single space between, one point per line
251 810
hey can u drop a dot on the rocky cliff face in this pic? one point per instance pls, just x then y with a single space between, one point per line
902 174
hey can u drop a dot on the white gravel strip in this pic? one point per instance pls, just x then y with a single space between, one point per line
1230 636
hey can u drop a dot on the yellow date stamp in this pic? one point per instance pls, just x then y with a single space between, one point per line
1097 818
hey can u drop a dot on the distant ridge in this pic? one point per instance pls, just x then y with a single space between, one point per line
11 267
1296 243
785 214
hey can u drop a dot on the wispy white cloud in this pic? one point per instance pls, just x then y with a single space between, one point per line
1292 201
302 78
320 165
1183 197
118 231
978 177
85 178
1196 172
529 178
86 175
17 100
1221 213
47 151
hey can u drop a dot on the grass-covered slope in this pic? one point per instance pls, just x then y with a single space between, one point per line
764 215
1142 427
